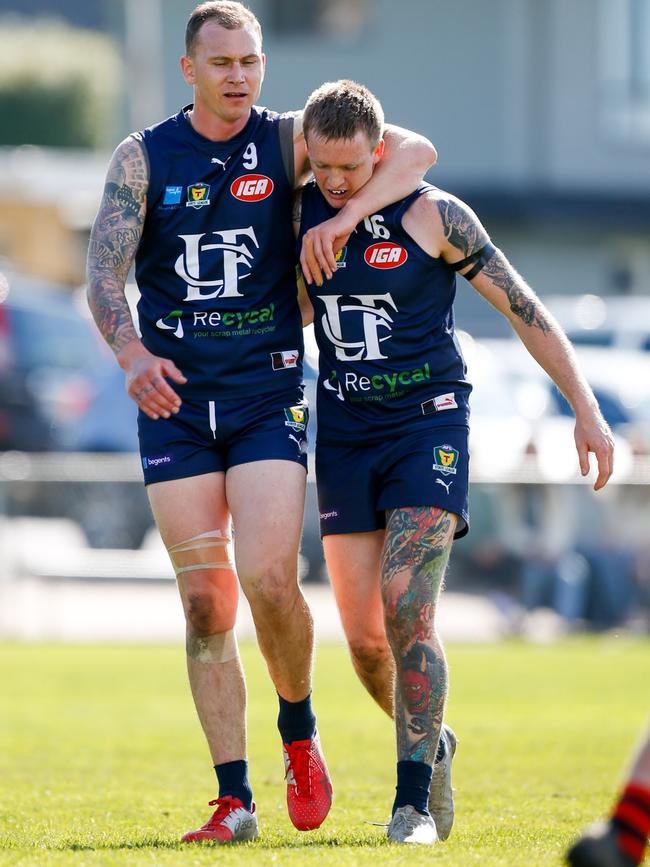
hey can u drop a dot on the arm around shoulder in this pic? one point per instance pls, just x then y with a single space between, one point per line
406 158
416 149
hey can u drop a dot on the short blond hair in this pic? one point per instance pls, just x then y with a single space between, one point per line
226 13
341 109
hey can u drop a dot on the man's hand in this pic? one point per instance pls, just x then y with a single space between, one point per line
592 434
146 380
320 245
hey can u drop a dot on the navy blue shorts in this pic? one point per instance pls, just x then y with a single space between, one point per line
208 436
358 483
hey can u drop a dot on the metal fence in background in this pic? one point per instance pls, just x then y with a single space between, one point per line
77 527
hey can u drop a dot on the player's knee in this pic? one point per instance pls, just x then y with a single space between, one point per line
273 592
402 623
369 654
205 615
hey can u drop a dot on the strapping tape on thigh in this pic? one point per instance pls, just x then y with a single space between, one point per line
205 551
220 647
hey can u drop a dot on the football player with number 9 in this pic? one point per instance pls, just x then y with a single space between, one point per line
202 203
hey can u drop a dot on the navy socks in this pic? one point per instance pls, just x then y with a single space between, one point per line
296 720
413 783
233 780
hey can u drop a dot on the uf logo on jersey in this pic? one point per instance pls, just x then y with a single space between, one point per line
191 264
369 315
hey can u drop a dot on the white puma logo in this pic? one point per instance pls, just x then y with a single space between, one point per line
445 485
222 163
302 446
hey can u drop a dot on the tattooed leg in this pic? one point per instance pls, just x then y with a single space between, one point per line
416 551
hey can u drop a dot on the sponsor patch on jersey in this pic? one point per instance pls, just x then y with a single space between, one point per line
296 418
287 358
385 255
172 195
198 196
439 403
340 258
445 459
156 461
251 188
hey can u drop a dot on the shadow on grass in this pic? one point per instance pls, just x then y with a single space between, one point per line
264 843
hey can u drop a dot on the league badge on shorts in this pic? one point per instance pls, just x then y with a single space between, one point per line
445 459
340 258
198 195
296 418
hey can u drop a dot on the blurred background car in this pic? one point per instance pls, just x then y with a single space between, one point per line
61 390
619 322
509 386
50 362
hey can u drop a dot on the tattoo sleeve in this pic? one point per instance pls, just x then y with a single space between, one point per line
416 551
114 239
523 301
462 230
467 235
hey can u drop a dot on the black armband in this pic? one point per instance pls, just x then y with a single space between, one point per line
478 259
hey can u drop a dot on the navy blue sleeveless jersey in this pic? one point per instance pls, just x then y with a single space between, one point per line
216 262
389 359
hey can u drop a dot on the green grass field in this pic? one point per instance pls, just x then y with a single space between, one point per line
102 761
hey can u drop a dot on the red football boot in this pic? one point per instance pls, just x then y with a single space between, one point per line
309 788
231 822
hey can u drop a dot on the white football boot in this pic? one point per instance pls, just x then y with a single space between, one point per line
410 826
441 795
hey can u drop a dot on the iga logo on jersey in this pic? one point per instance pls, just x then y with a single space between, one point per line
385 255
251 188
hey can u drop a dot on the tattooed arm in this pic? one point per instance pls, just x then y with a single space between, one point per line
114 239
445 226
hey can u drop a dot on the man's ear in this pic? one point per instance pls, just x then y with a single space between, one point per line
378 152
187 68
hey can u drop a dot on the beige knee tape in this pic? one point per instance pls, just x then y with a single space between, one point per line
206 551
220 647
